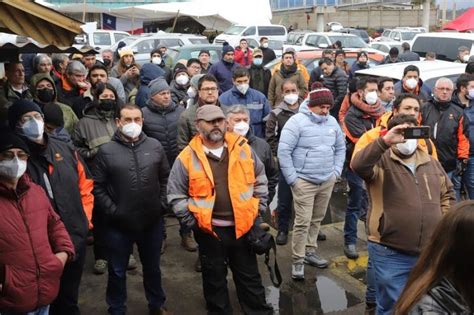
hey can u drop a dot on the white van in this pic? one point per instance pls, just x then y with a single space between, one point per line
235 33
99 39
444 44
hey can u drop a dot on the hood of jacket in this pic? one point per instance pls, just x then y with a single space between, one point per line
155 108
284 106
92 111
304 109
149 72
37 78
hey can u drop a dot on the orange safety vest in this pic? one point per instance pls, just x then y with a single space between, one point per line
202 194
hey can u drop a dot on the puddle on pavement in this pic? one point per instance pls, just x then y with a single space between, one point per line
320 297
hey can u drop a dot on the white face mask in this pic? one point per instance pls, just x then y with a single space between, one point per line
411 83
465 58
242 88
132 130
290 98
13 169
182 79
265 45
241 128
33 129
371 98
156 60
191 92
470 95
408 147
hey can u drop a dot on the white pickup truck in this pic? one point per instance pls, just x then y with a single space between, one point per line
322 40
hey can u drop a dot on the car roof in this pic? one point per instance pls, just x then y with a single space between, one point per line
198 46
349 53
447 35
428 69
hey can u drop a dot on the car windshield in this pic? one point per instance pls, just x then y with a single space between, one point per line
408 35
234 30
197 41
275 44
349 41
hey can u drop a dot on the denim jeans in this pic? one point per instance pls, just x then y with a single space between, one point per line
456 180
284 205
391 270
370 293
468 179
43 310
120 247
357 202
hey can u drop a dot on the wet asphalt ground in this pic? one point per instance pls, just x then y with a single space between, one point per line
339 289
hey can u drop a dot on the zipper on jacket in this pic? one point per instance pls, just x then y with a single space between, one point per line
136 167
38 274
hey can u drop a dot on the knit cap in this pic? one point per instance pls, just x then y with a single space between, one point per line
195 80
320 95
18 109
226 48
158 85
53 115
10 140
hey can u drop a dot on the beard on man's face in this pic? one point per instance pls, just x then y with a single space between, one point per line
215 135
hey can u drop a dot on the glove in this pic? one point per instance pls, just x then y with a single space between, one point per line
461 167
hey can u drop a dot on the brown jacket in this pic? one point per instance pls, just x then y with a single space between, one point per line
275 96
405 207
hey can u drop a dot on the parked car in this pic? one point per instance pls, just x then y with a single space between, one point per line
294 35
444 44
99 39
233 34
357 32
430 71
142 45
323 40
386 46
192 51
310 59
399 35
12 38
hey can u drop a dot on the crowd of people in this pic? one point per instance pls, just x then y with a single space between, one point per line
101 150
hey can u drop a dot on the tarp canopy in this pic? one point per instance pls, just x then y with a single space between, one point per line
38 22
465 22
212 14
10 52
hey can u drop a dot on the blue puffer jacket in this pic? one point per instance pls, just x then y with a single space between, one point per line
223 72
256 103
424 94
311 150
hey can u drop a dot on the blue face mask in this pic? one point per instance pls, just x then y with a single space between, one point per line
258 61
319 118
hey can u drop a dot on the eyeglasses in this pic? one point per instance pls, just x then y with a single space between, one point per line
8 156
209 89
36 116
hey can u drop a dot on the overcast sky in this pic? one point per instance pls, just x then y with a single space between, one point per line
460 4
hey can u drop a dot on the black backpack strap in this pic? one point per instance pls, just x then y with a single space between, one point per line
277 273
429 145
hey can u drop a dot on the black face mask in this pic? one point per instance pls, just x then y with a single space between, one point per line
45 95
106 62
107 105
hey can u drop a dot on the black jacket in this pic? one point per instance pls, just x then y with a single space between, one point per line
337 84
62 185
260 78
268 55
275 123
449 131
179 93
442 299
130 182
356 124
161 123
264 152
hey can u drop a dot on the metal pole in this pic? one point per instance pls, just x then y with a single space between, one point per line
84 11
426 14
175 21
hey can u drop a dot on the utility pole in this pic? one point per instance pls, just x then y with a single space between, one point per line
426 14
454 10
84 6
443 10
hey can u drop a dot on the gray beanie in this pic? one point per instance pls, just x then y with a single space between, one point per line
158 85
195 80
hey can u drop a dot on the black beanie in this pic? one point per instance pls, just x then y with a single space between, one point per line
53 115
9 140
18 109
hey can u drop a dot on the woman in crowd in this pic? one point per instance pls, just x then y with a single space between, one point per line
441 281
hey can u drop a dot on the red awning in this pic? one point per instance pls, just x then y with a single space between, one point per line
464 22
